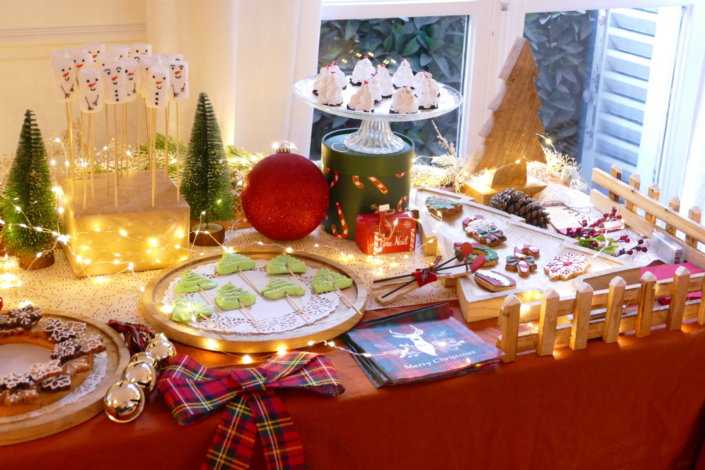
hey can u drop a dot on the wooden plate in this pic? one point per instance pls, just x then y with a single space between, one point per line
339 321
35 424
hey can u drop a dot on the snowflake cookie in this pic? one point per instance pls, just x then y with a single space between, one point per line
566 266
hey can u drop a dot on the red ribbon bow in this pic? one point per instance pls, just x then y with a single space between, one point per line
193 391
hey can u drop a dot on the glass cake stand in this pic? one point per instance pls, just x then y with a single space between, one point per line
375 136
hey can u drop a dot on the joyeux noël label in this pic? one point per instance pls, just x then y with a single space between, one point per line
384 243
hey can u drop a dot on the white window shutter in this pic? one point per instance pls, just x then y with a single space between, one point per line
629 91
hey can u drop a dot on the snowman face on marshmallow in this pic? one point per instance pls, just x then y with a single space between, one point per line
130 69
157 91
158 79
95 49
64 78
90 97
141 49
81 58
114 80
178 74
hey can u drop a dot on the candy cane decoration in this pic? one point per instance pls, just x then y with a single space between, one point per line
378 184
356 181
343 224
400 205
400 175
335 179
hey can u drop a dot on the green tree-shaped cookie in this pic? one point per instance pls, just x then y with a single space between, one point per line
326 280
283 264
192 282
234 262
230 297
277 288
186 310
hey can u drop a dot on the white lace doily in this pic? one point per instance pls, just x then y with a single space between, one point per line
271 316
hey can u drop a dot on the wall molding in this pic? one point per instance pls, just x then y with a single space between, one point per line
38 43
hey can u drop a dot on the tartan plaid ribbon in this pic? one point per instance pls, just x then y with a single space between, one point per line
136 335
193 391
425 276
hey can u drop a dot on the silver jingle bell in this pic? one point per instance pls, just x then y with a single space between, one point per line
146 357
123 402
162 350
160 337
142 374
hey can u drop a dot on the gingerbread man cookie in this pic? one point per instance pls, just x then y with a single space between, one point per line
566 266
469 251
523 261
442 206
483 231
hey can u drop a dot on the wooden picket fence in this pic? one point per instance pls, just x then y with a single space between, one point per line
627 303
553 322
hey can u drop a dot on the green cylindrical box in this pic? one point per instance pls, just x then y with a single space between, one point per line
359 181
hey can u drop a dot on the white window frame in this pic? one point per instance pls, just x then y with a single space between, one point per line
493 27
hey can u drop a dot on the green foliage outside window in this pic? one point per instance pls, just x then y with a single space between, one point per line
562 43
435 44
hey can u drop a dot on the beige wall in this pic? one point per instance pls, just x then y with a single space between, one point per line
30 30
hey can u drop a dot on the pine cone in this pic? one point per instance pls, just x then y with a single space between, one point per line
518 203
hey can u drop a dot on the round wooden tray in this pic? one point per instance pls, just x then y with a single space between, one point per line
72 414
338 322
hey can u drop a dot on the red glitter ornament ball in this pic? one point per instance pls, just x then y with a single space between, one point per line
285 196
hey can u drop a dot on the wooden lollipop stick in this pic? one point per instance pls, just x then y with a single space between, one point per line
249 282
166 140
295 305
115 153
152 158
347 301
84 159
91 150
177 176
72 156
248 314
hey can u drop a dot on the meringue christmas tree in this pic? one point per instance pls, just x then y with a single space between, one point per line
29 213
206 182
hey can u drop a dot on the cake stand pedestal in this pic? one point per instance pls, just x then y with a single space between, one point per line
371 165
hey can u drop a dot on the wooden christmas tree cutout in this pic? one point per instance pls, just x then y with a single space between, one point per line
510 134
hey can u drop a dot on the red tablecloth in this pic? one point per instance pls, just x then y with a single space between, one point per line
636 404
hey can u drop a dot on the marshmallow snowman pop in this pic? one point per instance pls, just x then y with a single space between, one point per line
90 100
156 97
65 81
178 76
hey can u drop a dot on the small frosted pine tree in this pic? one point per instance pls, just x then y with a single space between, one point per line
206 182
29 200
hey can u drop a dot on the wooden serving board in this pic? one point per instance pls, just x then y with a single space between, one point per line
36 423
339 321
478 303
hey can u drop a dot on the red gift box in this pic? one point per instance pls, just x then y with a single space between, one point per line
385 232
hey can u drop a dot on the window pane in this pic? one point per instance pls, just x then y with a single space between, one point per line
434 43
605 83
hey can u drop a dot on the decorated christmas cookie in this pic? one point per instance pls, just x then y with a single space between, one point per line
90 344
21 397
442 206
326 280
234 262
66 350
469 251
57 331
192 282
57 383
523 261
230 297
483 231
277 288
44 370
186 310
566 266
284 264
523 265
494 281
